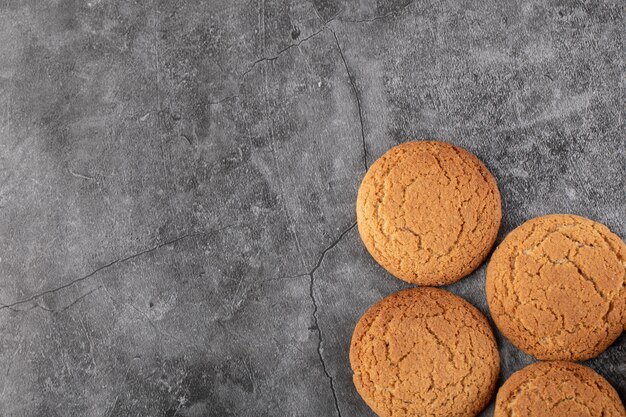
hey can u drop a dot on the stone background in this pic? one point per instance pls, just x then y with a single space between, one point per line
178 180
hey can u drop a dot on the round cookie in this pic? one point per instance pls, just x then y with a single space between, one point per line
428 212
557 389
424 352
556 287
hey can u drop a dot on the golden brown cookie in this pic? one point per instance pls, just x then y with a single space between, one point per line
556 287
424 352
428 212
557 389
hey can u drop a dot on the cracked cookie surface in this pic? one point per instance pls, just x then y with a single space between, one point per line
428 212
424 352
557 389
556 287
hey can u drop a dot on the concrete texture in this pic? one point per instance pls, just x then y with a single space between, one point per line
178 179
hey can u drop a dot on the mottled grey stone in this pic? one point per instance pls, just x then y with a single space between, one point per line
178 179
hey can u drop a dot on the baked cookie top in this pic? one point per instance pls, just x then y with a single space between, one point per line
556 287
424 352
428 212
557 389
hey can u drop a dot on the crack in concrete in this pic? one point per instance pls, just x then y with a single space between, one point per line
315 318
265 59
343 59
275 57
97 270
356 95
67 307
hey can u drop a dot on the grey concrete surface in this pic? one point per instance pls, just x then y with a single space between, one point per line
178 180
